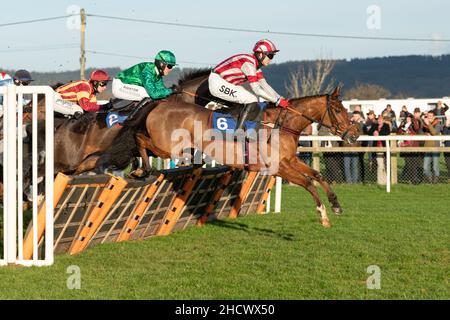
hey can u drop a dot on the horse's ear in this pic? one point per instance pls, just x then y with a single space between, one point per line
337 92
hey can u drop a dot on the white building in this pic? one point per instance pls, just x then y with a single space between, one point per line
379 105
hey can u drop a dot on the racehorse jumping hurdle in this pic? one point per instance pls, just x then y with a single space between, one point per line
96 209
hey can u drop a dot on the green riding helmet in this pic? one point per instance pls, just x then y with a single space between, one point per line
165 58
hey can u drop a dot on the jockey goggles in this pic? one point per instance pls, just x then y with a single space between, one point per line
168 65
102 83
270 55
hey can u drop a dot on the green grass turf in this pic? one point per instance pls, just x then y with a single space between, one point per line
275 256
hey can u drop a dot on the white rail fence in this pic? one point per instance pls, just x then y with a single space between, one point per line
390 148
13 187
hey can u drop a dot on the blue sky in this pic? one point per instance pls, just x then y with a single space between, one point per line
37 46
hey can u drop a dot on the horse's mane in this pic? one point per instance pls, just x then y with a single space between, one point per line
308 97
193 74
273 106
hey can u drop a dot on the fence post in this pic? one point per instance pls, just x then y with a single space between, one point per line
316 156
394 164
9 173
278 185
388 166
268 202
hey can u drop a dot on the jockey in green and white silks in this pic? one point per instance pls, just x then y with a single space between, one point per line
145 79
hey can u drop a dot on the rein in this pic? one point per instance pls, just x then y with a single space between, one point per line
334 123
194 95
320 122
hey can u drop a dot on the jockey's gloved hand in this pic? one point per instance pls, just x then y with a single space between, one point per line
176 89
282 102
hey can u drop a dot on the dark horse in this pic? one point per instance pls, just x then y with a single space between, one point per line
80 143
327 110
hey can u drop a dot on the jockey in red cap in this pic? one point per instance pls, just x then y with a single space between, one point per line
80 96
226 79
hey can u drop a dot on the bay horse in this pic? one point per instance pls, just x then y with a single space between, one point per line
327 110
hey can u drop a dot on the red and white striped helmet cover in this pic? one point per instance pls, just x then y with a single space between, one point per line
265 45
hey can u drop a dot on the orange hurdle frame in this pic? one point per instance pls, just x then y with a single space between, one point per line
245 189
263 203
172 215
217 195
135 217
61 181
98 213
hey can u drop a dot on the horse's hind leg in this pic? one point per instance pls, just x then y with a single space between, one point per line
306 182
142 143
314 174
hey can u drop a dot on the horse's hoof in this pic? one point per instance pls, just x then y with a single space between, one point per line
325 223
337 211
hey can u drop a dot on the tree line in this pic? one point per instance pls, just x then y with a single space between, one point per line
369 78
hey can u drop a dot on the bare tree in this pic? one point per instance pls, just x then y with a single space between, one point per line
311 78
367 91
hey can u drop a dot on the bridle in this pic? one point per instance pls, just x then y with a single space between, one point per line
335 127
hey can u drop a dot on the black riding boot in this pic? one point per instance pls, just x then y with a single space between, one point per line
139 106
247 111
243 115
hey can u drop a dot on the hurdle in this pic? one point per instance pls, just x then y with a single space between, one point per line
98 213
135 218
91 210
30 246
225 181
173 214
265 196
243 195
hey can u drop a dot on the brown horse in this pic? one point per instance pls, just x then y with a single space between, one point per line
327 110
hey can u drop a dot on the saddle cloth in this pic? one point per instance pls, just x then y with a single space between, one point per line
227 123
119 112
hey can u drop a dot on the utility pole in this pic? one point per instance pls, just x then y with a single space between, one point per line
82 45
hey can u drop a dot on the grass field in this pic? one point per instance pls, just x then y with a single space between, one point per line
276 256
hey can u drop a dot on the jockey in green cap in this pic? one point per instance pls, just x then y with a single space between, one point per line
145 79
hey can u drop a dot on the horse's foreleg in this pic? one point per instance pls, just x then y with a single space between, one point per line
292 175
337 209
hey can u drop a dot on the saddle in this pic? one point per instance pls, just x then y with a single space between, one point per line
123 111
122 106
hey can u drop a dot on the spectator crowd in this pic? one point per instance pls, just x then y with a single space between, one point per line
349 167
